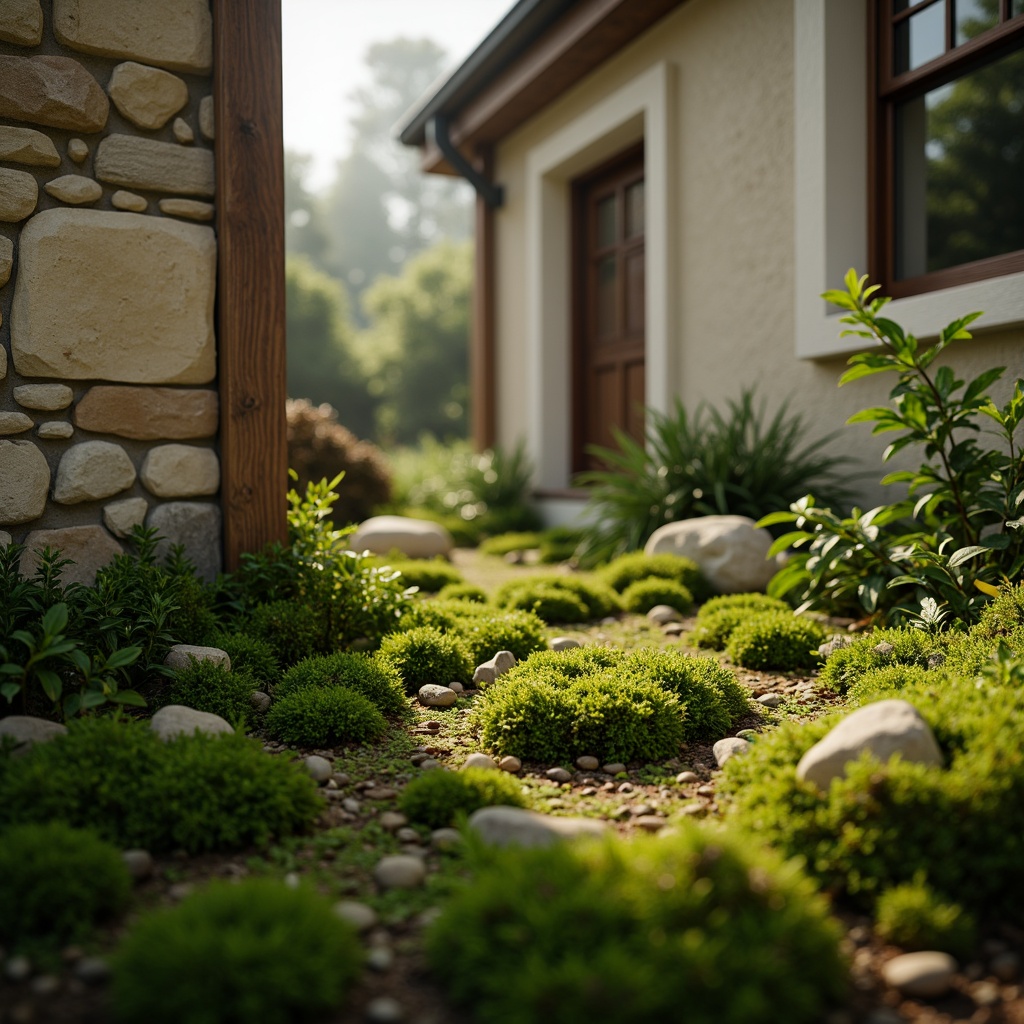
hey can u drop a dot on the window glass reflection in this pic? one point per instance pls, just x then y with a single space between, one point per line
920 38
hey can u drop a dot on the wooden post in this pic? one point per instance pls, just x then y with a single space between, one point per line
250 272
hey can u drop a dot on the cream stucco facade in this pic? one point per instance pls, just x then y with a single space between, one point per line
752 119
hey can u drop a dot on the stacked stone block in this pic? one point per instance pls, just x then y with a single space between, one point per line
108 393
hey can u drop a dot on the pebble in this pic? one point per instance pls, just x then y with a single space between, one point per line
705 791
510 764
180 890
693 810
407 835
586 763
673 629
750 735
445 838
480 761
986 993
319 768
45 984
400 871
687 778
432 725
384 1010
613 769
662 613
427 763
457 687
351 805
390 820
434 696
650 822
558 775
626 787
1005 966
380 793
588 791
292 880
93 970
359 915
380 958
642 809
922 975
771 700
18 968
729 747
139 863
563 643
341 778
418 758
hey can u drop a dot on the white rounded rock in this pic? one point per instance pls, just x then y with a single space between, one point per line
923 975
359 915
180 656
434 696
480 761
563 643
415 538
319 768
513 826
26 730
177 720
510 764
729 747
400 871
663 613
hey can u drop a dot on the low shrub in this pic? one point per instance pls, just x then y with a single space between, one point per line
209 687
324 716
426 655
56 883
624 932
585 600
482 629
879 683
559 544
1004 614
776 640
506 543
635 566
196 793
429 575
642 596
437 798
293 629
878 649
378 682
719 617
747 602
462 592
912 916
255 950
250 654
968 653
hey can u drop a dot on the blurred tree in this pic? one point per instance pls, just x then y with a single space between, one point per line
304 230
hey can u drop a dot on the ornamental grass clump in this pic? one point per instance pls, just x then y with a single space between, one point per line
324 716
377 681
878 649
56 884
642 596
699 925
775 640
235 954
438 798
425 655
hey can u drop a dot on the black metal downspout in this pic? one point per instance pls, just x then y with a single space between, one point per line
437 134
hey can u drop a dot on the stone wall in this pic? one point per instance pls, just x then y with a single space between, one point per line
108 394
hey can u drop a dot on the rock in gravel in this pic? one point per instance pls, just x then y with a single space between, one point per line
384 1010
407 835
392 820
430 762
434 696
650 822
834 643
491 670
922 975
445 838
558 775
138 862
563 643
586 763
687 778
177 720
260 701
729 747
18 968
400 871
883 728
480 761
457 687
319 768
380 793
771 700
613 768
512 826
663 613
510 764
359 915
380 959
26 730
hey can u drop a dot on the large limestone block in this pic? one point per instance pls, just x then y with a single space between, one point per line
21 22
24 482
6 261
148 97
53 91
176 34
114 296
181 471
149 414
730 550
196 526
160 166
92 470
416 538
883 728
89 548
26 145
19 194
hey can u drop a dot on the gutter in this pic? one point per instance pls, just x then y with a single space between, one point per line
437 134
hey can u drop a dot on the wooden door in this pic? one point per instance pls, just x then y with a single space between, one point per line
608 364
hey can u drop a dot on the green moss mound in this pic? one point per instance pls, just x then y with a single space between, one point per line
378 682
292 629
719 617
879 683
427 574
462 592
775 640
878 649
550 604
197 793
696 926
250 654
438 797
321 716
642 596
424 655
505 543
206 686
754 602
1003 615
635 566
482 629
234 954
56 884
559 598
912 916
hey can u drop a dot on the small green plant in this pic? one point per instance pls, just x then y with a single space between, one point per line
626 932
642 596
482 629
281 955
912 916
56 884
636 565
437 798
775 640
426 655
209 687
878 649
293 629
879 683
584 600
1004 614
377 681
322 716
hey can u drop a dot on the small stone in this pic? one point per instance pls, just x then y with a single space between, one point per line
673 629
729 747
558 775
687 778
884 648
400 871
430 763
177 720
586 763
1005 966
626 787
392 820
57 92
986 993
183 132
26 145
834 643
445 838
706 791
55 430
480 761
352 805
134 162
923 975
93 970
491 670
206 123
510 764
662 613
407 835
181 890
563 643
180 471
380 793
122 200
181 656
75 189
21 22
771 700
588 791
292 880
750 735
650 822
91 470
384 1010
189 209
78 150
14 423
18 968
44 397
613 769
415 538
26 731
319 768
139 863
146 96
45 984
513 826
19 194
457 687
359 915
380 959
121 517
434 696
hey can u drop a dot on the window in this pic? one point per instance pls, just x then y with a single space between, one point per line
948 189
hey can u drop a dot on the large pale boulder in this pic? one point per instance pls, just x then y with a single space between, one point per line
21 22
730 550
148 414
26 145
513 826
181 471
181 656
147 96
175 34
53 91
196 526
24 482
135 162
89 548
883 728
416 538
114 296
92 470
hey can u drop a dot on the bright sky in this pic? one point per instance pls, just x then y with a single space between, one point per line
324 43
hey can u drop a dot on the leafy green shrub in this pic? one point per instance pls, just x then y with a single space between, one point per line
885 824
912 916
877 649
323 716
426 655
206 686
56 883
636 565
291 628
378 683
961 522
462 592
195 793
642 596
627 932
250 654
543 595
429 575
280 955
437 798
775 640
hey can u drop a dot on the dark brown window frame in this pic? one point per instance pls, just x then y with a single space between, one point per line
886 91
